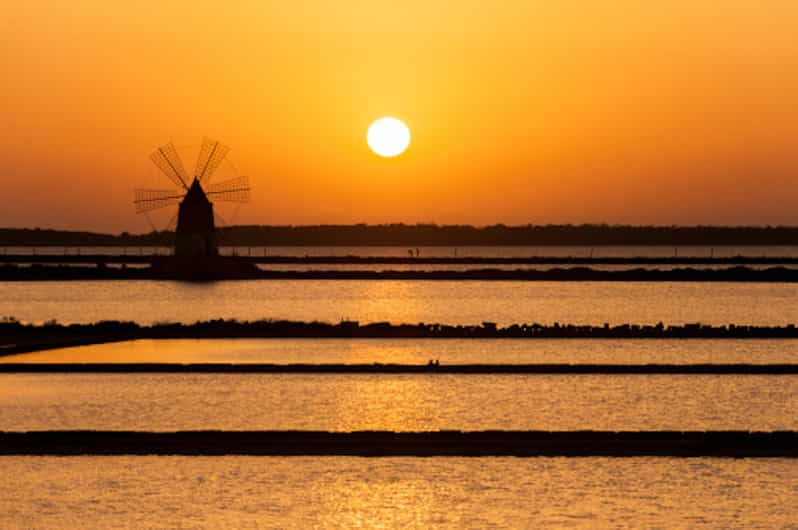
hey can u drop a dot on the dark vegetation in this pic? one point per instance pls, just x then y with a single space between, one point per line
101 271
429 235
384 443
18 337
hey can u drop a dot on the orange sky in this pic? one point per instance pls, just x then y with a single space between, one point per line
615 111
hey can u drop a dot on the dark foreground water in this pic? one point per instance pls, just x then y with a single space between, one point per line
346 492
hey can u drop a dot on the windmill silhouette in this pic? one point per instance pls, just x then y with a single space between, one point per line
195 234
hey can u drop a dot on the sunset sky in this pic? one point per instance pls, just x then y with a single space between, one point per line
617 111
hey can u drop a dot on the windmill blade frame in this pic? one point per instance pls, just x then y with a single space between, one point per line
170 164
171 226
149 200
233 190
193 221
210 156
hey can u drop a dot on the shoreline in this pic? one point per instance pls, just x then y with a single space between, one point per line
407 369
730 444
146 259
100 271
18 337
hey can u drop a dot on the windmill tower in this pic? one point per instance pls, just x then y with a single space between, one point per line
195 234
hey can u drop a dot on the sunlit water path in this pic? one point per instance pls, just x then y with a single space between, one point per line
156 402
449 302
297 492
124 492
420 351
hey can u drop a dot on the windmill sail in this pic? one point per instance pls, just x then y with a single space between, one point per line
149 200
210 156
168 161
233 190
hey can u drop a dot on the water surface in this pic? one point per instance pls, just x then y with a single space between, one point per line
404 301
327 492
349 402
420 351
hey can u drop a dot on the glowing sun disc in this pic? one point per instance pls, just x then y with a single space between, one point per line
388 137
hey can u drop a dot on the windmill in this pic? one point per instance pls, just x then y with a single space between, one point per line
195 231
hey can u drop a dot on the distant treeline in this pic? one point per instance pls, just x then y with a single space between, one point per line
429 235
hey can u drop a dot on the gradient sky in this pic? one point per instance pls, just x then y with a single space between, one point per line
617 111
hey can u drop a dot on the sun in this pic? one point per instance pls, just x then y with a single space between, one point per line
388 137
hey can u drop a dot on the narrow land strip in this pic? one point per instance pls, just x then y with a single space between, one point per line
100 271
735 444
379 368
18 337
72 256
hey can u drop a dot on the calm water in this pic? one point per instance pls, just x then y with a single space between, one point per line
450 302
334 492
138 492
512 251
396 402
419 351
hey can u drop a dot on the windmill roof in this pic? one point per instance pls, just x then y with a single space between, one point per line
196 193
